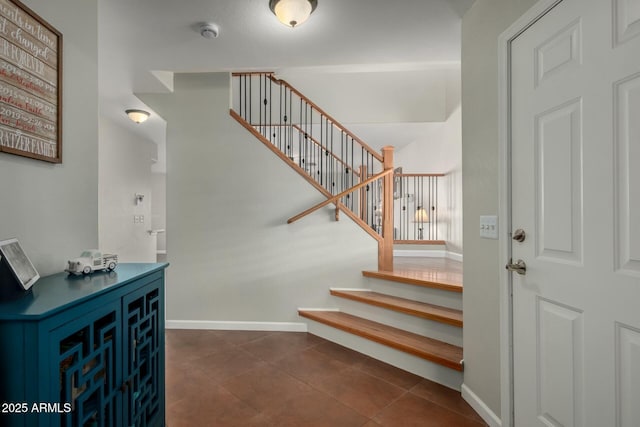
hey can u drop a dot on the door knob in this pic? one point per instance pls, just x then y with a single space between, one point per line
519 235
519 267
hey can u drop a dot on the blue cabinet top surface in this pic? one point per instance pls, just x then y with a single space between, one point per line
53 293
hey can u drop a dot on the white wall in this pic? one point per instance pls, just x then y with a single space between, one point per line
439 150
451 202
232 255
375 96
125 162
159 208
481 26
53 209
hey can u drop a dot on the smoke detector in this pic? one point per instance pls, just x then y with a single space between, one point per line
209 31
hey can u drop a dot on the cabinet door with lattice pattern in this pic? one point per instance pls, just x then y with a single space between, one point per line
144 356
86 360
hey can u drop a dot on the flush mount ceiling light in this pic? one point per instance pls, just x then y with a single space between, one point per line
138 116
292 12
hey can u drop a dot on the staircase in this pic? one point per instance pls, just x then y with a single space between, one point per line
401 318
409 319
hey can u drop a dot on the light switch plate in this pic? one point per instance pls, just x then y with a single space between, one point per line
489 226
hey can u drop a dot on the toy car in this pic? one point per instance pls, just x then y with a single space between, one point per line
90 261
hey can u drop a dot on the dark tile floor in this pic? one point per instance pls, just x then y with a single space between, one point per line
246 378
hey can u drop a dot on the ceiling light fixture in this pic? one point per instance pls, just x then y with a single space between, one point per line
292 13
138 116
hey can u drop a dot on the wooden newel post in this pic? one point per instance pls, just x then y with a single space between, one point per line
385 247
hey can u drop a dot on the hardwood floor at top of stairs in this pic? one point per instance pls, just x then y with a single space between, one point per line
439 273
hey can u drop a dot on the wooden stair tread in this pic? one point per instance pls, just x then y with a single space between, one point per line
427 348
415 308
436 279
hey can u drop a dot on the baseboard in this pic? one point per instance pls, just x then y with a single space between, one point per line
454 256
426 253
480 407
237 326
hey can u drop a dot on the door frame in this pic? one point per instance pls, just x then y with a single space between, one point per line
505 40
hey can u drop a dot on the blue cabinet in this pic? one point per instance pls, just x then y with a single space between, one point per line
85 351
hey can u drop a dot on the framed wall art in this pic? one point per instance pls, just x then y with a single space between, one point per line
30 84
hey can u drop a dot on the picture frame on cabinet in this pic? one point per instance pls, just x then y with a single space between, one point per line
21 267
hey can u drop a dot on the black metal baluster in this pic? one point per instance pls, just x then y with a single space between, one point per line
290 126
299 137
287 114
342 174
279 124
322 180
409 191
429 208
306 135
435 208
260 105
273 136
242 104
312 151
353 164
239 95
267 125
418 202
333 165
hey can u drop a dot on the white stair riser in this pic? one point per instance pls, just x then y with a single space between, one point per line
417 325
416 365
417 293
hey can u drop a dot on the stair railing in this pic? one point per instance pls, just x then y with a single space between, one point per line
416 210
320 149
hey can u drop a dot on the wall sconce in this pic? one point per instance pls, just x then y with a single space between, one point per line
139 198
138 116
292 12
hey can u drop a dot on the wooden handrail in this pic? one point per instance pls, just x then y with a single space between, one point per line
419 175
337 197
334 122
419 242
251 73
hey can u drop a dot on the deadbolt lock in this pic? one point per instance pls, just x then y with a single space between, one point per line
519 235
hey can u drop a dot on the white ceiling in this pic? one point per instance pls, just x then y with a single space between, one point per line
140 36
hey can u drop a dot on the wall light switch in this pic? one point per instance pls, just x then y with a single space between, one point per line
489 226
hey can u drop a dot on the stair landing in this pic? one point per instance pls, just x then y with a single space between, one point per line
439 273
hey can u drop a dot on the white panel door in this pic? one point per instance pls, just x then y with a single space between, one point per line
575 174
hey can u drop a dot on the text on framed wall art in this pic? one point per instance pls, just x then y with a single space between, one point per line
30 84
